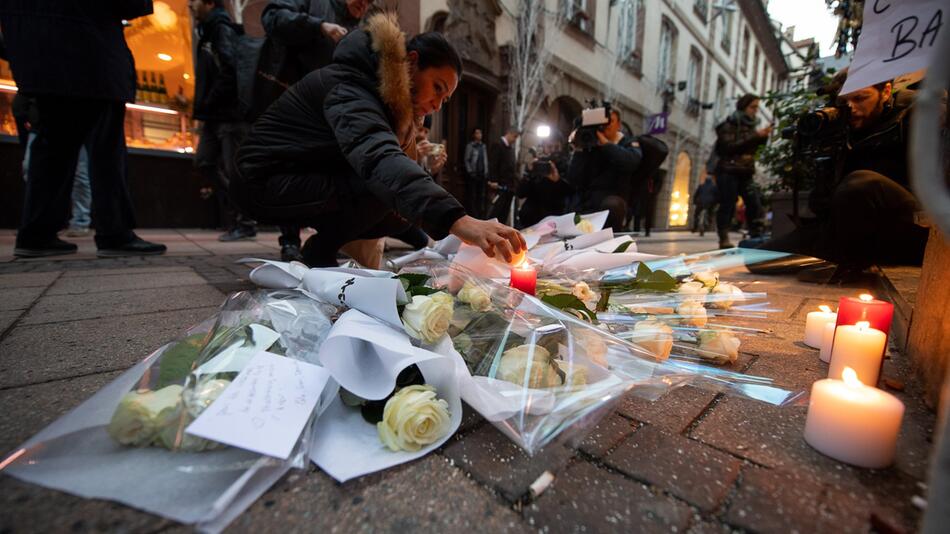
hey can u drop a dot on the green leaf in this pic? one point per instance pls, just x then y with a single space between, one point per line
421 290
643 271
413 279
178 360
577 218
658 281
570 302
623 247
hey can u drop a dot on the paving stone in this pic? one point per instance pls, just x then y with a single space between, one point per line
61 350
30 508
7 318
607 434
585 498
145 268
428 495
673 412
789 365
779 501
29 409
57 308
19 298
470 418
28 279
77 285
494 460
688 469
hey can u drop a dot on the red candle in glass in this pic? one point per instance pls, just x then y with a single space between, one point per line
524 278
865 308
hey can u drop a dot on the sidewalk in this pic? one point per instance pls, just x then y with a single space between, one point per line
693 461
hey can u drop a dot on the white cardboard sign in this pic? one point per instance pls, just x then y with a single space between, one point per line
897 37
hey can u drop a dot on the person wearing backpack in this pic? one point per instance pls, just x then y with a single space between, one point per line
216 106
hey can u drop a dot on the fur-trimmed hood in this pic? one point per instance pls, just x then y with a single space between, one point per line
380 54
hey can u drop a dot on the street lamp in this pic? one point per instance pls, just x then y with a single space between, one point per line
544 131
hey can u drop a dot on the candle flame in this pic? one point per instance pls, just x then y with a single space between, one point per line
866 297
824 308
863 325
851 378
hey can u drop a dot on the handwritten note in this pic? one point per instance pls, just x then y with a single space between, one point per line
897 37
266 407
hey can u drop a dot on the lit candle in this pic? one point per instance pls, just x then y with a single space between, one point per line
866 308
827 337
859 347
524 278
853 423
815 325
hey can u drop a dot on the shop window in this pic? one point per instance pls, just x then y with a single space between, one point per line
679 196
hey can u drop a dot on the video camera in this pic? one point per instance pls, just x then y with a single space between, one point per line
821 139
540 168
592 120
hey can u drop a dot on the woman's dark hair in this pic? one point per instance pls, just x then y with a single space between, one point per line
745 100
435 51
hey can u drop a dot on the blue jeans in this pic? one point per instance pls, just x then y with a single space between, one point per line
82 191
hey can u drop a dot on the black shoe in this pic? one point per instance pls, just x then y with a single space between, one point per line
136 247
790 264
290 252
53 247
238 233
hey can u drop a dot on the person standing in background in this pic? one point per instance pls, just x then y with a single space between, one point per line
476 170
502 173
216 105
74 108
704 199
301 37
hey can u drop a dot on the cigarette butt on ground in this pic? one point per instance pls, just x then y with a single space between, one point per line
538 486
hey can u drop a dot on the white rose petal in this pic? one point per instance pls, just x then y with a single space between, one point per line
135 420
584 293
726 295
575 374
721 347
592 345
655 337
528 365
475 296
707 278
413 418
585 226
693 289
428 317
692 314
198 398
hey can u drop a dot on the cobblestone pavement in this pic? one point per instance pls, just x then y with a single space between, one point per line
694 460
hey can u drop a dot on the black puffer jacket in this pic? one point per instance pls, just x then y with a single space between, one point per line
215 75
736 143
603 170
352 122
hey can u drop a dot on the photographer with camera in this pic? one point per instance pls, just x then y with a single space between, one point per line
601 169
737 139
865 210
544 190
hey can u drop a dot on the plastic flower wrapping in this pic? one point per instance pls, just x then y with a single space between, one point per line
128 441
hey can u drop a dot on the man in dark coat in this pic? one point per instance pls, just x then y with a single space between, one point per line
602 176
301 37
476 171
337 150
502 174
72 57
736 142
543 189
216 105
704 199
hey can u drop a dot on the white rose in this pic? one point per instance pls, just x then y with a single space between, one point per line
721 347
428 317
574 374
198 398
475 296
585 226
413 418
692 313
171 424
707 278
726 295
134 421
655 337
528 365
583 292
592 345
693 289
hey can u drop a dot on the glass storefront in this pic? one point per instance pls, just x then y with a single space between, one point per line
160 118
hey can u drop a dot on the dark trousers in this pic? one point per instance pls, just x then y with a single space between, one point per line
65 123
501 207
870 220
316 200
475 196
215 160
615 204
702 217
731 187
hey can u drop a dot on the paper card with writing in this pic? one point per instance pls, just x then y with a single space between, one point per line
266 407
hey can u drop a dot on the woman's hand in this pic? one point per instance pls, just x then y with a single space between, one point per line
490 236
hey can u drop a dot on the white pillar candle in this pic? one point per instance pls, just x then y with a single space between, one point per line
853 423
815 325
859 347
824 353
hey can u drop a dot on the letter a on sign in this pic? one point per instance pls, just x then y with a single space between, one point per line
898 37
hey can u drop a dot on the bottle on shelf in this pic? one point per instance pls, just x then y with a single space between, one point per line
156 97
162 90
146 88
